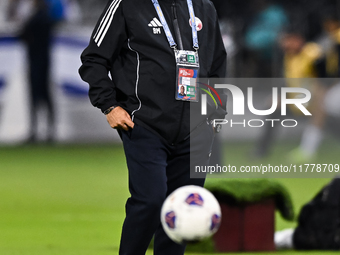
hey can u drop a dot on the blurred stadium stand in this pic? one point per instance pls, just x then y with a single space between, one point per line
77 119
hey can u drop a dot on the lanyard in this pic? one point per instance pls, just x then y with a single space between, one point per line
166 27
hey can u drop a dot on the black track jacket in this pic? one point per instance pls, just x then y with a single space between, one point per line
127 43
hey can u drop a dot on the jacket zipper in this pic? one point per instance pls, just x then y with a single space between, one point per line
176 27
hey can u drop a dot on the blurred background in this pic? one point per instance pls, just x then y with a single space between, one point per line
258 36
63 178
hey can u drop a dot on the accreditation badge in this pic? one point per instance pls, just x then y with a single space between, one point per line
187 69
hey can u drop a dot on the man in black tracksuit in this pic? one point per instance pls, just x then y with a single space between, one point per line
139 101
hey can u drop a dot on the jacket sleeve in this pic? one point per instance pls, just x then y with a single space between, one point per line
105 44
218 69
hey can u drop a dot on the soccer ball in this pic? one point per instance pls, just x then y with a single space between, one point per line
190 214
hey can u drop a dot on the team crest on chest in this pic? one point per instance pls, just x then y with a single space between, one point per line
199 24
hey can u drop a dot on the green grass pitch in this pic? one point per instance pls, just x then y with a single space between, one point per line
69 199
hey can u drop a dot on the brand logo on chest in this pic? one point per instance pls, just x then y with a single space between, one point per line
156 26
